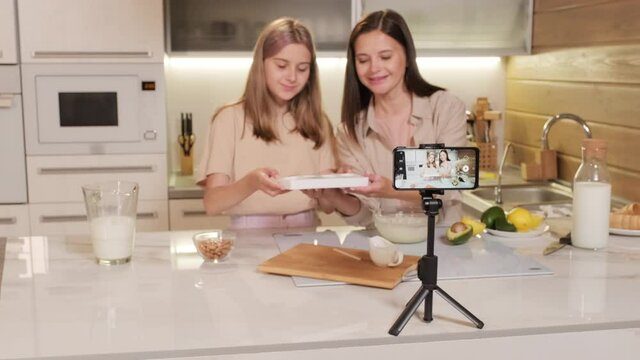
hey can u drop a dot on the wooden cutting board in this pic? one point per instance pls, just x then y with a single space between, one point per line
323 262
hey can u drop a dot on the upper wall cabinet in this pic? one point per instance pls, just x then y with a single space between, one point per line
91 30
8 37
464 27
451 27
223 25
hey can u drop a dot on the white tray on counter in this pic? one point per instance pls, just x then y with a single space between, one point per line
325 181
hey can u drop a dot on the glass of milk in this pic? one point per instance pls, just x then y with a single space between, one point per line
111 212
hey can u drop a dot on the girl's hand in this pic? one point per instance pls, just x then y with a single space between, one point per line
265 180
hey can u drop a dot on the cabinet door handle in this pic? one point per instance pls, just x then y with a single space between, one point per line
62 218
1 53
6 101
80 218
8 221
92 54
95 170
147 215
193 213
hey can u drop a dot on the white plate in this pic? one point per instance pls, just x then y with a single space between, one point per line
541 229
325 181
625 232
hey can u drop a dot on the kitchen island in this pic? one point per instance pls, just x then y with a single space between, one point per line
55 301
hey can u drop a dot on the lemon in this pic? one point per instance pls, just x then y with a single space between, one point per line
522 219
476 225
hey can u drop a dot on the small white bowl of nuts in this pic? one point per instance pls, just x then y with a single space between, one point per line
215 245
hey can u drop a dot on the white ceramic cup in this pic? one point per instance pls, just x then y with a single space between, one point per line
383 252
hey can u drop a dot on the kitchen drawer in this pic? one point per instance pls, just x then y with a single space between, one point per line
189 214
14 220
59 179
91 31
70 218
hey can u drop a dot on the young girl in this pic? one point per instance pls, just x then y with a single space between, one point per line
276 129
387 104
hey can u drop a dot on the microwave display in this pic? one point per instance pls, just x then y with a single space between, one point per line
88 109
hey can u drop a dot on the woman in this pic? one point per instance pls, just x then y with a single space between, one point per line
445 165
386 103
276 129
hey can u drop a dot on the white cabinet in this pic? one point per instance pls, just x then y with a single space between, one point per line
60 178
55 189
14 220
189 214
70 218
91 30
8 34
464 27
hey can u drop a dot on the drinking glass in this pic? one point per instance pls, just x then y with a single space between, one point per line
111 212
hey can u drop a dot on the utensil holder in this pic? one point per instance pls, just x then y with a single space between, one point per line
488 156
186 164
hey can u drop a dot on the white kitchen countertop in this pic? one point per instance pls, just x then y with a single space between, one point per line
55 301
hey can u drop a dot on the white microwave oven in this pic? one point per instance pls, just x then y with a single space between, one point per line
94 108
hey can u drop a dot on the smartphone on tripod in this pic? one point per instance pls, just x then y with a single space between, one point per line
435 168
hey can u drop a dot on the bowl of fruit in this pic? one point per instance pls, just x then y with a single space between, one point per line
518 222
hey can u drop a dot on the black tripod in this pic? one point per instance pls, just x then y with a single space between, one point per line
428 274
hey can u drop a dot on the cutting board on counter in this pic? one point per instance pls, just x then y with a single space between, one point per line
323 262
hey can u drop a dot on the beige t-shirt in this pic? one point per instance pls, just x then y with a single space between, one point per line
439 118
231 149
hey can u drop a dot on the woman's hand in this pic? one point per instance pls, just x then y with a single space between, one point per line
379 186
265 180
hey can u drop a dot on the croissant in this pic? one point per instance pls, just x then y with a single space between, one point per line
626 218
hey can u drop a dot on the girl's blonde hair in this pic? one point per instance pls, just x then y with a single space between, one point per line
305 107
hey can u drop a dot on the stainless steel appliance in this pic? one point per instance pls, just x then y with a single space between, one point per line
13 183
95 108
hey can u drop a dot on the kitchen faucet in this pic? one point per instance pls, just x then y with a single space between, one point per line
498 190
552 120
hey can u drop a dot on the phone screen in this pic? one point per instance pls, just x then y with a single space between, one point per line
451 168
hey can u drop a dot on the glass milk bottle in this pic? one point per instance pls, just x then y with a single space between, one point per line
591 197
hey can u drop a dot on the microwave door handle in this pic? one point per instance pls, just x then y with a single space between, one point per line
92 54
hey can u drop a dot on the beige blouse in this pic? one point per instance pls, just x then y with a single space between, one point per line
231 149
439 118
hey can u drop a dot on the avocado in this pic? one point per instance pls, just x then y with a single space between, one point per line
490 216
459 233
503 225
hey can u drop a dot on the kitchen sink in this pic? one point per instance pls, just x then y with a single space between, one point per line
519 195
525 194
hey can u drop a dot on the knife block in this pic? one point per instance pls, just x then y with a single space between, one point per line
186 163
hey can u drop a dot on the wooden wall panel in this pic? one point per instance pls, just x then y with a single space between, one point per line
587 61
599 24
624 183
604 103
608 64
555 5
566 137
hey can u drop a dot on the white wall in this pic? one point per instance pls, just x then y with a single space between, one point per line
200 85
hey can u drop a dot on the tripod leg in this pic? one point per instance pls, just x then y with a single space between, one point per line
409 310
477 322
428 307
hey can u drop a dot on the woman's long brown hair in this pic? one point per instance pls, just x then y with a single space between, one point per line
356 96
